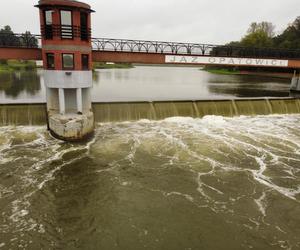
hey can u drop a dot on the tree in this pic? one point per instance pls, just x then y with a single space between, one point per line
7 37
28 40
258 38
290 38
266 27
6 30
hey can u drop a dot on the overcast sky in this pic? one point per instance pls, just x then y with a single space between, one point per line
203 21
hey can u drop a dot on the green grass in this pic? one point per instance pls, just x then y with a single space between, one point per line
222 71
98 65
16 65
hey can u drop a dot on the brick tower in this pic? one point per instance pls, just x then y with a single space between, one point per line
67 60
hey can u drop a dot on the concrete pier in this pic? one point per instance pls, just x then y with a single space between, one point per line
295 85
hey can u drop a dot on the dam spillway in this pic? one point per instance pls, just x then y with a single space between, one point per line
35 114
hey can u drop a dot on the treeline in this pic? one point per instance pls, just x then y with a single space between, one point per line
9 39
261 41
263 35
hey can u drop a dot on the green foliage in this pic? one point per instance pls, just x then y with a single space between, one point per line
290 38
222 71
260 35
6 30
99 65
3 62
8 38
263 27
258 38
16 65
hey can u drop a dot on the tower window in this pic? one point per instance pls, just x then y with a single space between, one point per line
68 61
66 24
48 24
50 61
48 17
85 62
84 33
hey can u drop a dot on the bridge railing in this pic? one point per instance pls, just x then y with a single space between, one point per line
28 40
142 46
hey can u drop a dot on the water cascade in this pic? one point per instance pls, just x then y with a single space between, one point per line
35 114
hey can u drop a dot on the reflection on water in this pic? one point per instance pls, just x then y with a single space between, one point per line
249 86
20 85
149 84
182 83
13 83
180 183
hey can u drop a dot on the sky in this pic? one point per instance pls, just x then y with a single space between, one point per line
201 21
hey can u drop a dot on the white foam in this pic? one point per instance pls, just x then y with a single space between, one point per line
261 204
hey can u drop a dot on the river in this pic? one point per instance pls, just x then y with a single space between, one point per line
145 83
181 183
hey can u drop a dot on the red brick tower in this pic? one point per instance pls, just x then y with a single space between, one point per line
67 58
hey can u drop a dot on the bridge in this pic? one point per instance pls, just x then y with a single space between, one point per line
28 47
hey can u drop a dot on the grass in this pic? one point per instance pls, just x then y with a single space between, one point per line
222 71
16 65
98 65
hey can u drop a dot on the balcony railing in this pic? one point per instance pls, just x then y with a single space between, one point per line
65 32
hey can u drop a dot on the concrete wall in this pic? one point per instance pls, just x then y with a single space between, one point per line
295 85
70 101
68 79
87 100
35 114
52 100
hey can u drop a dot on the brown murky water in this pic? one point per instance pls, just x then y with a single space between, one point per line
180 183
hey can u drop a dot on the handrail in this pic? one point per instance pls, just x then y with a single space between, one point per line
28 40
179 48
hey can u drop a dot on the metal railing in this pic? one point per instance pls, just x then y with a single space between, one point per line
65 32
28 40
142 46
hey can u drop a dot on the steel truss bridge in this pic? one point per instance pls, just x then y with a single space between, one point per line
142 51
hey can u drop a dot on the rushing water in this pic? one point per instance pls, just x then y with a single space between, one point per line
180 183
149 84
183 183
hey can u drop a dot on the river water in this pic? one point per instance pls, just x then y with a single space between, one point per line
144 83
180 183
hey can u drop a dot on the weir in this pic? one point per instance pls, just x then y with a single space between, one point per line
35 114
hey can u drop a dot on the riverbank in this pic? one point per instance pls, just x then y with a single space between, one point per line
100 65
223 71
16 65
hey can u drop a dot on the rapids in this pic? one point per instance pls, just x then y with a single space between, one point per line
178 183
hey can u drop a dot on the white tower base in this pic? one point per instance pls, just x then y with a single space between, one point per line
70 116
71 127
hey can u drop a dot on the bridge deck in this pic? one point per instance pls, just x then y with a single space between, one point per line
26 47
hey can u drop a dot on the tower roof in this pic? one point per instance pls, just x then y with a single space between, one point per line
64 3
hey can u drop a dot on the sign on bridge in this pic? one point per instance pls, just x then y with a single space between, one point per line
226 61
